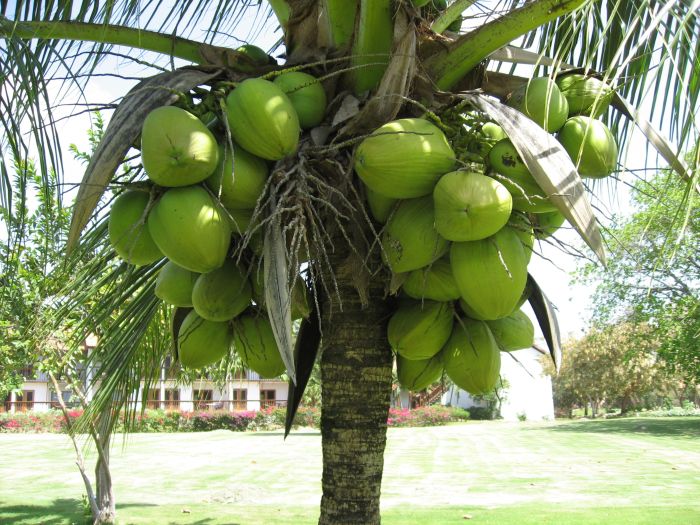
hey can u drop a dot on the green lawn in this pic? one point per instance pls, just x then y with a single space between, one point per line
630 471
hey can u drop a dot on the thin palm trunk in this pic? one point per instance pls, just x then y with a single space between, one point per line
105 495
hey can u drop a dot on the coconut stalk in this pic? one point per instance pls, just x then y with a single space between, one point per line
282 11
110 34
371 50
449 15
448 67
340 17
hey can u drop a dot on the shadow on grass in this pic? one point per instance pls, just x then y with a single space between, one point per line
278 433
677 427
59 512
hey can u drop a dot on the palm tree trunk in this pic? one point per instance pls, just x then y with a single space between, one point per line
356 367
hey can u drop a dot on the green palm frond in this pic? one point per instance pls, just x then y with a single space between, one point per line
34 73
647 49
116 302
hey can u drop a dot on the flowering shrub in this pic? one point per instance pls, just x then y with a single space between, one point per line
51 421
202 421
420 417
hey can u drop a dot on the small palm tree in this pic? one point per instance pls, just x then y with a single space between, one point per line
380 59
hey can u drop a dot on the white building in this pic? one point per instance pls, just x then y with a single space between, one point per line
528 392
245 391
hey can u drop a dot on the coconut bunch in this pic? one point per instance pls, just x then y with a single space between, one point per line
203 195
458 235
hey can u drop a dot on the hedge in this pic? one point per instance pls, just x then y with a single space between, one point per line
181 421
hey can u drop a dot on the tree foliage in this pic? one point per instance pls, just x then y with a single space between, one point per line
37 227
653 275
615 367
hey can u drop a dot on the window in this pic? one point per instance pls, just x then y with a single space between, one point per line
25 401
240 397
153 398
267 398
172 398
27 372
202 399
66 395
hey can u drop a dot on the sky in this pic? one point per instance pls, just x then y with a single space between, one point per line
550 267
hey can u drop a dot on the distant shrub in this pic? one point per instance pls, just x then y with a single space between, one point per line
459 414
482 413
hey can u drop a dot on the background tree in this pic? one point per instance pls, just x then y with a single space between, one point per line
397 62
653 275
614 366
37 226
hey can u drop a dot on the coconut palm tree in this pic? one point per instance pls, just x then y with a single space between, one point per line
379 60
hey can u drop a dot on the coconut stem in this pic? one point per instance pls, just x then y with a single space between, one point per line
373 41
282 11
450 14
341 15
468 50
176 47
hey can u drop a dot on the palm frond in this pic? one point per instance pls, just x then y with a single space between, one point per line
116 302
647 49
36 73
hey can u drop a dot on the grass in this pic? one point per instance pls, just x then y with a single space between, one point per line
626 471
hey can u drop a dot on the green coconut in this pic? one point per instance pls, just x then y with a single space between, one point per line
255 343
239 220
239 178
513 332
491 273
591 146
585 95
469 312
470 206
471 357
221 294
486 137
201 342
434 282
262 119
127 229
418 374
177 149
541 100
307 95
545 224
174 285
526 193
418 329
190 229
380 207
253 57
409 240
404 158
522 226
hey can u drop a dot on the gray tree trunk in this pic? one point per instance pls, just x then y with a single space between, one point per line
356 373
